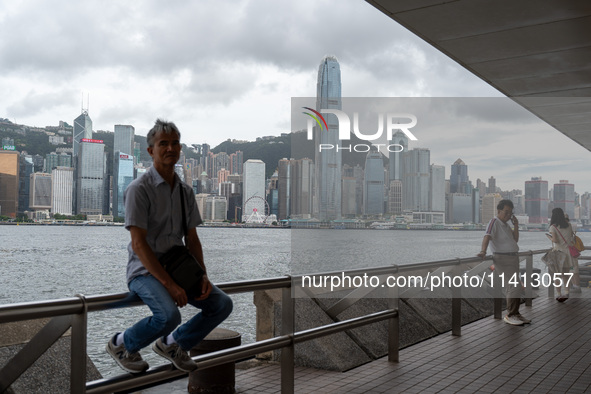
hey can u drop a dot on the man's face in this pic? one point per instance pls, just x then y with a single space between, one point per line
505 213
166 149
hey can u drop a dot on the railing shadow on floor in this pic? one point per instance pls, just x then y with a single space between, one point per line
73 313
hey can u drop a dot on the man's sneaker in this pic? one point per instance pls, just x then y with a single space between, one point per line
173 352
525 320
131 362
513 320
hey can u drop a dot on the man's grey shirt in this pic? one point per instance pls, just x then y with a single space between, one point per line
150 204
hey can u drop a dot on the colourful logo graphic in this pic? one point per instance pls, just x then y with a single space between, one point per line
316 117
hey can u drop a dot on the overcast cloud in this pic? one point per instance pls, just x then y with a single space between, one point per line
228 69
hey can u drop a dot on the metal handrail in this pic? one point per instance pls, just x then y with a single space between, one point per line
80 306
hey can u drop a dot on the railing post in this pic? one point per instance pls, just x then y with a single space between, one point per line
78 349
456 305
287 352
393 325
529 270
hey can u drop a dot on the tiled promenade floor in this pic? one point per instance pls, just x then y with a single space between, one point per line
550 355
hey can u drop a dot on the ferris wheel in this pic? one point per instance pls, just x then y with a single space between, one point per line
255 210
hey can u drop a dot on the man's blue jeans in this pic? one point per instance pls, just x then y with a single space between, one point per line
166 316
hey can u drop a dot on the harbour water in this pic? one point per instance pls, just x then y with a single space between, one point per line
52 262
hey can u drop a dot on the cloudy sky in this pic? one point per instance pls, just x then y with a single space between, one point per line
228 69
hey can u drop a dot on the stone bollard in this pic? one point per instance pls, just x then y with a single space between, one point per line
219 379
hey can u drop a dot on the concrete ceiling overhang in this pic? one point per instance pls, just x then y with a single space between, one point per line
537 52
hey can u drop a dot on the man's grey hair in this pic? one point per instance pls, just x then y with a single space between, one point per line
165 127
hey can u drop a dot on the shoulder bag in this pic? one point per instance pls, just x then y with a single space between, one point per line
571 249
579 243
180 264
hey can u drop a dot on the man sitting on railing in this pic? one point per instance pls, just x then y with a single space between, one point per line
153 216
505 250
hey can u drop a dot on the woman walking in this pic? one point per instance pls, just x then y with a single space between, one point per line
562 237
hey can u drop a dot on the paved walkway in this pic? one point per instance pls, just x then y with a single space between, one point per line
550 355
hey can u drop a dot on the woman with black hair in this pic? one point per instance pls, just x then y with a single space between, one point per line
562 237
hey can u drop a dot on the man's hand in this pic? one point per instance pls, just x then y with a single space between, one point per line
205 289
178 294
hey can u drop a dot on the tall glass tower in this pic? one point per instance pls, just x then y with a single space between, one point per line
328 162
395 164
82 129
373 185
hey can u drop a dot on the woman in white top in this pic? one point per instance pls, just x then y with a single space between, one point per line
562 236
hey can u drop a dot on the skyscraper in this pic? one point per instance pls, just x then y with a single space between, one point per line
564 197
82 129
373 184
62 185
416 180
396 157
328 162
40 191
254 188
458 179
122 177
9 180
536 200
123 139
90 177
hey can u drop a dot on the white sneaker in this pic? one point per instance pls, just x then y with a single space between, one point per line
525 320
513 320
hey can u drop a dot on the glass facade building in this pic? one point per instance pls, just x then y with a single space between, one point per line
123 139
564 197
122 177
395 164
328 162
416 180
82 130
62 183
373 184
90 177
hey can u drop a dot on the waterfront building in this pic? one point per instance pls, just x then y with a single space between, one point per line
40 191
123 140
122 177
395 163
536 200
236 180
9 181
254 188
476 218
62 186
180 171
416 180
564 197
302 188
26 168
90 178
82 130
437 189
216 208
328 163
489 206
373 184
